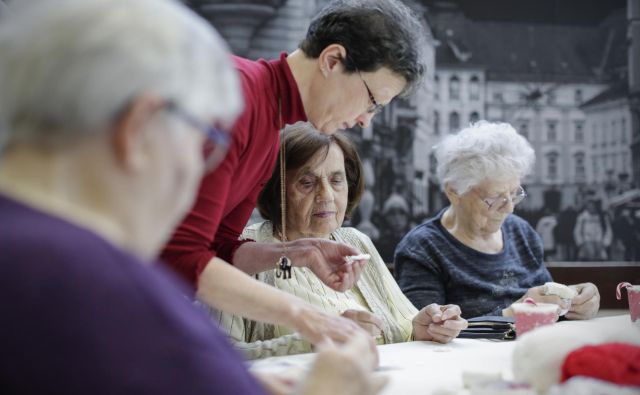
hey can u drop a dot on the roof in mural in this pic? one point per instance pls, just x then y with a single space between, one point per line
527 50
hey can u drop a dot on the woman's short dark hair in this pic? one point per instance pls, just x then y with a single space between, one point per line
375 33
303 143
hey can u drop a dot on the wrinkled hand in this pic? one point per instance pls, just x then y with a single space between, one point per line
438 323
321 328
366 320
586 304
327 260
345 370
536 293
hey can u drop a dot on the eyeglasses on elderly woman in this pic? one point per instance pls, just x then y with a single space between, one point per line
217 143
497 203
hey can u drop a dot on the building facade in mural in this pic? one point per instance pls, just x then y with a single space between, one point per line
570 100
573 100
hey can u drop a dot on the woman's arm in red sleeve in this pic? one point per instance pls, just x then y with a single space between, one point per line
190 248
226 240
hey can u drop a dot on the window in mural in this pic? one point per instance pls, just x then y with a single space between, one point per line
454 122
579 169
578 135
474 88
552 166
454 88
578 96
552 132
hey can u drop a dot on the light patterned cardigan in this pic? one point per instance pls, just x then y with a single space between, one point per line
376 291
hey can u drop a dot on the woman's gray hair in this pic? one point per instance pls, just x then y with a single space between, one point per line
69 67
482 151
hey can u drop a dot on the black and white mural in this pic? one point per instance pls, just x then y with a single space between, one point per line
558 71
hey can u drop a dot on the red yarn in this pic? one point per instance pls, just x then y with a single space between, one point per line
617 363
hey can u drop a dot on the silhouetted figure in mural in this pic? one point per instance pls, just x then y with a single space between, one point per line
625 233
545 228
563 234
592 232
395 224
365 208
367 202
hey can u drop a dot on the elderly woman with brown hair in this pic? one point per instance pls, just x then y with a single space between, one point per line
324 182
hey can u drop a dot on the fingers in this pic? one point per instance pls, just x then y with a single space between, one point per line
587 309
446 332
364 349
450 311
438 323
358 266
371 319
345 278
536 293
354 270
323 344
554 299
572 315
422 318
582 306
366 320
348 275
346 250
508 312
328 261
579 314
325 329
456 324
345 370
434 312
441 334
586 292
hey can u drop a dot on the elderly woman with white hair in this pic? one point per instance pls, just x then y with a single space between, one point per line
476 253
105 114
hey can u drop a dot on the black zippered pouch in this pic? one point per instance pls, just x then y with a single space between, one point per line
490 327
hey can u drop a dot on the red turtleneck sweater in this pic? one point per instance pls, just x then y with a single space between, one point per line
228 195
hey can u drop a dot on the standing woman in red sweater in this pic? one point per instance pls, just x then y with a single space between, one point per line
357 56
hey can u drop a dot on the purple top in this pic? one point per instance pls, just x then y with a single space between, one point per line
80 316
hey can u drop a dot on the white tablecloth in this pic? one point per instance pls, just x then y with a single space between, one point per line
425 367
417 367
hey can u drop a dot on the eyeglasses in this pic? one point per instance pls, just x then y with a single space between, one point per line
217 140
375 108
499 202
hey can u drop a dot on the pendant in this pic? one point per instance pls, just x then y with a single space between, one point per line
283 268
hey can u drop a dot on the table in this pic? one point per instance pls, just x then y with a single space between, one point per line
425 367
417 367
